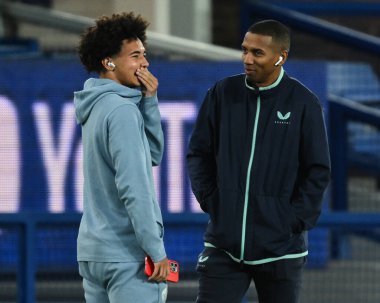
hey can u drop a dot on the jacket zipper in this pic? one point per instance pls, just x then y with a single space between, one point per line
244 225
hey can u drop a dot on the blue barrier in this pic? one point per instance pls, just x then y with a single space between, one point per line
345 156
13 48
342 111
29 222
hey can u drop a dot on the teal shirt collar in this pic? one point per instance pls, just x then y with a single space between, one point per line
274 84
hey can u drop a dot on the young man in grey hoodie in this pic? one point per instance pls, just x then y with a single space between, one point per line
122 139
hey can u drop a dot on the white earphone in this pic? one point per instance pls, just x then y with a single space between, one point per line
111 64
279 60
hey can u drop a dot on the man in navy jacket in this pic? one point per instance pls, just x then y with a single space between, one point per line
259 164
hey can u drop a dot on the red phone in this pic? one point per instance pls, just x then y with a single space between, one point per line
173 266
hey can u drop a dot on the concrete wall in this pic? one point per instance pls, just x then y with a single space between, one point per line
185 18
51 39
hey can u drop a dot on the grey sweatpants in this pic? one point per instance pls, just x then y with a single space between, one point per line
119 283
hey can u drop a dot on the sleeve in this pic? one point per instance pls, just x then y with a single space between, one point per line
132 177
153 129
314 170
201 163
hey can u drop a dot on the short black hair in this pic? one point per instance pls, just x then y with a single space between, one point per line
278 31
105 38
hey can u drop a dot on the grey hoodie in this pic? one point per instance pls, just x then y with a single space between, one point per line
122 138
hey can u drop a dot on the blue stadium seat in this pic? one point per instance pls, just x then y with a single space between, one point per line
19 47
358 82
355 81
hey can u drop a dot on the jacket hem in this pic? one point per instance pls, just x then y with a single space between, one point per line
261 261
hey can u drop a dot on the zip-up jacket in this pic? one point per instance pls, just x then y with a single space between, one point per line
259 164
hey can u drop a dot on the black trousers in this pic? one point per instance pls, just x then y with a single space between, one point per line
222 280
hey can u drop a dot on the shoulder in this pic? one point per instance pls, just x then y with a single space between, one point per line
234 81
122 108
301 93
226 86
114 100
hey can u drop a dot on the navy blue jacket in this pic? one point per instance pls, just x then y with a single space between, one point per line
259 164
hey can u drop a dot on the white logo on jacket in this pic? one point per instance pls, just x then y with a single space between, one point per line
202 259
283 119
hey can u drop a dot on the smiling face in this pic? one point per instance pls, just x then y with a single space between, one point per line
259 56
130 58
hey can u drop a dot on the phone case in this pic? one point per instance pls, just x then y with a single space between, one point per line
173 266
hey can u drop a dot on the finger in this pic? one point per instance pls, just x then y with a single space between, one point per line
147 75
157 274
148 87
145 81
144 75
162 274
148 81
154 274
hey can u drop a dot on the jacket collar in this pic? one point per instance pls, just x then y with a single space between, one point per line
264 88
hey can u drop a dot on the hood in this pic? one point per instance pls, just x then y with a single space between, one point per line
94 90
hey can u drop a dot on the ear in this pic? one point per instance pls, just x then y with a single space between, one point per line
284 55
106 64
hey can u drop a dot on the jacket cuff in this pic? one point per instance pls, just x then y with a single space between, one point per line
151 99
158 255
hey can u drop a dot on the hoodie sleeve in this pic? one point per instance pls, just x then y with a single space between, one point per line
314 172
153 129
201 152
132 165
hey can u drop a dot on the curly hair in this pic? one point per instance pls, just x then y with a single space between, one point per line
105 38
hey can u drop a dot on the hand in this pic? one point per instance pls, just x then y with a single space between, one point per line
148 82
161 271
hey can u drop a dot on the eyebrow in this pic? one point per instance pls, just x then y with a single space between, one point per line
137 52
254 49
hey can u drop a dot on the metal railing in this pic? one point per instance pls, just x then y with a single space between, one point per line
77 24
27 225
342 111
310 24
325 8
